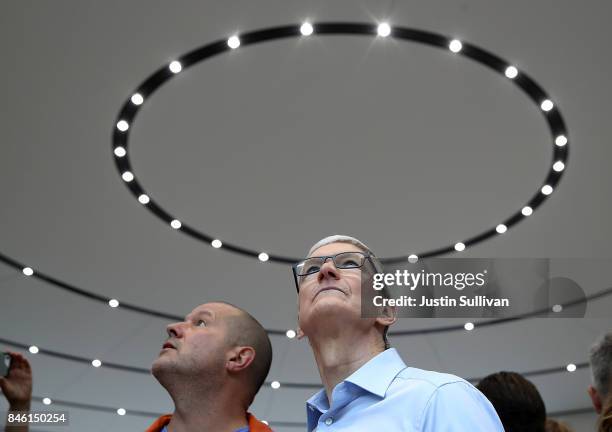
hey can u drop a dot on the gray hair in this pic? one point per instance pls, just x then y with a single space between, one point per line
337 238
600 359
378 267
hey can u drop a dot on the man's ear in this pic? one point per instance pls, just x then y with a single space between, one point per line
388 316
240 358
595 399
300 333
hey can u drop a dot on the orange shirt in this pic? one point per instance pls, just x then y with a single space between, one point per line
254 424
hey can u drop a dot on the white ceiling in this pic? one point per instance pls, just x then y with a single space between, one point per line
272 147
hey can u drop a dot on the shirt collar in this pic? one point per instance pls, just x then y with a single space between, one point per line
377 374
375 377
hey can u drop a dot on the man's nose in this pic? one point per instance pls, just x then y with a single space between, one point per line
175 330
329 270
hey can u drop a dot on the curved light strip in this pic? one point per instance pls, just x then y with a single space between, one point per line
159 314
550 111
294 385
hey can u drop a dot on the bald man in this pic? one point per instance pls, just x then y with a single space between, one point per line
212 366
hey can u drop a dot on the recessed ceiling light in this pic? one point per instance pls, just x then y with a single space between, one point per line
455 45
175 67
511 72
137 99
547 105
122 125
384 29
233 42
561 140
127 176
558 166
306 29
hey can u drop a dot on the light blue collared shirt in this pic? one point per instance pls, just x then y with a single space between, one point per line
386 395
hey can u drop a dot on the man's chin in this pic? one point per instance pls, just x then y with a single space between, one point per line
160 365
330 296
331 309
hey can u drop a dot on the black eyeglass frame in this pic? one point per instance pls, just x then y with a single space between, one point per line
367 257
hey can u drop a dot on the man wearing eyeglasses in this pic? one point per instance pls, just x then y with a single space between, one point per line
367 386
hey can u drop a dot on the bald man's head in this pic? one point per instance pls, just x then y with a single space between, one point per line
215 343
244 330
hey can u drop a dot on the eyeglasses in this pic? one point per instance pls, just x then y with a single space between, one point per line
313 265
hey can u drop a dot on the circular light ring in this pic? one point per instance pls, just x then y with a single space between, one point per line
147 371
534 91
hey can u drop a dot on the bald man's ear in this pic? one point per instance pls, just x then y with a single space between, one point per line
300 333
388 316
595 399
240 358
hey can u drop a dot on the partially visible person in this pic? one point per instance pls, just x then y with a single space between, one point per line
604 424
17 389
600 390
516 400
212 366
366 385
553 425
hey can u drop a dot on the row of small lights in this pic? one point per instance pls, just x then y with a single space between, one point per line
291 334
120 411
383 30
275 385
95 363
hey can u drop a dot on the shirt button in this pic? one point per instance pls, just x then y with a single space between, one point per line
329 421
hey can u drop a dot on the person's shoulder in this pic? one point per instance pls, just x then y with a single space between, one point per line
428 379
256 425
424 384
